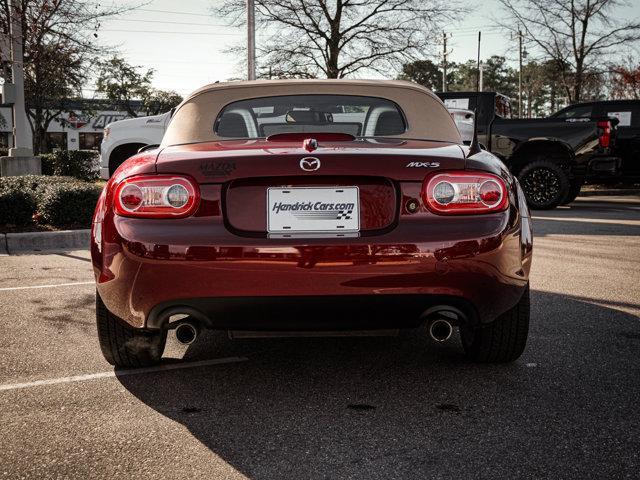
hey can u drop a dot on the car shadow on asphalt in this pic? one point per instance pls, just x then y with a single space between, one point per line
574 226
588 218
404 407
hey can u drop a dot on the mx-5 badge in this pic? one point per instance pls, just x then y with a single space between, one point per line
422 165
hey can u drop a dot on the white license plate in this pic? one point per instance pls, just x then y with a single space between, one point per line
313 209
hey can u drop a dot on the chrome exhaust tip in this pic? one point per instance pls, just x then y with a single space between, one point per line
440 329
186 333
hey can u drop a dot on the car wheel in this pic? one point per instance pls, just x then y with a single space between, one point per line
574 191
544 183
502 340
126 346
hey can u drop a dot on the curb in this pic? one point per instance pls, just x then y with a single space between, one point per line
38 241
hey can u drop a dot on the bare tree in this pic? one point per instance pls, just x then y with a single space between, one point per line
577 35
59 43
338 38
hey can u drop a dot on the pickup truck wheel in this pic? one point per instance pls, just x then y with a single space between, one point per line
545 184
122 153
125 346
502 340
574 191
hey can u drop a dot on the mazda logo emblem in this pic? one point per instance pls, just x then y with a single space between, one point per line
310 164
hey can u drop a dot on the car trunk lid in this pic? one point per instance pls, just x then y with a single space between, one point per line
323 175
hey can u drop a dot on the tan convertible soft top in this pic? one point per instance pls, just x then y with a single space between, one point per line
426 115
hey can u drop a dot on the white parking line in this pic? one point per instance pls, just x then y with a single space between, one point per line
7 289
120 373
606 221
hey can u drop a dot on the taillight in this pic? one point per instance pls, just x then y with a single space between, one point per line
156 196
459 193
605 136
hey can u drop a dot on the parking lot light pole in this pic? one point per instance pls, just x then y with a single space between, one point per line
20 160
520 75
251 40
444 62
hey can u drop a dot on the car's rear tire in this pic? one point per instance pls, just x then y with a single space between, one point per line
125 346
544 183
502 340
574 191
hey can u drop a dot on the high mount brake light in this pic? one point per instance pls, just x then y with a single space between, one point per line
156 196
605 136
460 193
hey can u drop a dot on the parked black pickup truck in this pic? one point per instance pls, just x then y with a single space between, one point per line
627 144
552 157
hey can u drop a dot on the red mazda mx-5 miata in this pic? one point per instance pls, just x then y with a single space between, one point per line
311 206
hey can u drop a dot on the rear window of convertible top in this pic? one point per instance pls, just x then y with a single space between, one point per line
356 115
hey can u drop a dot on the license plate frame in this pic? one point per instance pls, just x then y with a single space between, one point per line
309 210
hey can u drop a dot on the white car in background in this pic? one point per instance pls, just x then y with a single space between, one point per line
124 138
464 120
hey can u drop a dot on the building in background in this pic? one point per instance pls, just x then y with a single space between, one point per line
80 128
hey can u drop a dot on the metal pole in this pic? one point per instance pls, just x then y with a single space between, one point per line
478 64
520 75
444 62
22 136
481 87
251 40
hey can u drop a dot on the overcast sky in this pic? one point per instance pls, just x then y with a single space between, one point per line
184 42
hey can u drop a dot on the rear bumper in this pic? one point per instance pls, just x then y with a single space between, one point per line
606 167
312 312
256 284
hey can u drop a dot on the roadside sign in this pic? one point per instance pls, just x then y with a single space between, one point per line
623 117
462 103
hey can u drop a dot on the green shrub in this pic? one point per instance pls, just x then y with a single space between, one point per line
35 185
82 164
34 182
48 162
57 201
68 204
4 152
16 206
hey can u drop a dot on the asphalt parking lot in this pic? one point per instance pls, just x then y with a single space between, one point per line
362 408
